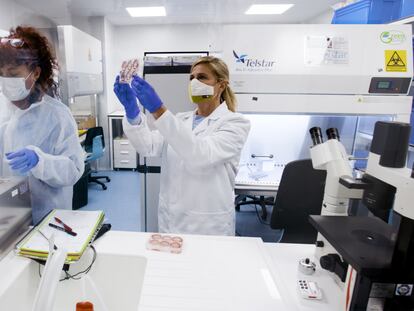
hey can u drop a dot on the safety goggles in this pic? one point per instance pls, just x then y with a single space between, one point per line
14 42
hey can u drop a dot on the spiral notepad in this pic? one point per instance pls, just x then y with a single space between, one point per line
84 223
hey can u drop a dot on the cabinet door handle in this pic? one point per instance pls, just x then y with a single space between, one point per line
125 161
124 143
270 156
124 152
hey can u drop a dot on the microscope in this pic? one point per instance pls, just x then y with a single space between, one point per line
332 157
377 257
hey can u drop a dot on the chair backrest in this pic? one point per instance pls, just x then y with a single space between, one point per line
97 150
300 194
90 135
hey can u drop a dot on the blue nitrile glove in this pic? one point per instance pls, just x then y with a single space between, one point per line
127 98
146 94
23 160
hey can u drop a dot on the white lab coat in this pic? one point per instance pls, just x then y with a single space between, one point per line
198 168
49 129
5 111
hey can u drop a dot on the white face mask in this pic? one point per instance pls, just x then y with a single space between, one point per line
15 88
200 91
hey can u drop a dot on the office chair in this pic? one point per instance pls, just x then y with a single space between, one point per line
300 194
95 147
80 189
261 200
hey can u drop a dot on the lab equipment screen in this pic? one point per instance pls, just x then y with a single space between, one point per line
384 85
389 85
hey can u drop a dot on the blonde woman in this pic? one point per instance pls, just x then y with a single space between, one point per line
200 149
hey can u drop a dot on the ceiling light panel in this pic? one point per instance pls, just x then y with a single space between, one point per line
268 9
147 11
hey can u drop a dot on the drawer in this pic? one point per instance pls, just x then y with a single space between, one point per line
124 151
125 154
122 144
125 163
131 157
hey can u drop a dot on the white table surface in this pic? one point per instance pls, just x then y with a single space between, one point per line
212 273
286 259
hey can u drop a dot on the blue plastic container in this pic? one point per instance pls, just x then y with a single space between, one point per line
407 8
369 12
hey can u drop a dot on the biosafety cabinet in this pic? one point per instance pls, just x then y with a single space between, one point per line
319 59
289 78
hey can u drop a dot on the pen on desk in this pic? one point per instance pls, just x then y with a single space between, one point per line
63 224
63 229
54 246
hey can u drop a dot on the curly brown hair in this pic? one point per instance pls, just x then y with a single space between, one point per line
35 52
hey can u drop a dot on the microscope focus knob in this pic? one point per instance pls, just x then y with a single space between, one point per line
334 263
328 262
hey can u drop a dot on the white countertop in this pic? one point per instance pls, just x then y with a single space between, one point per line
286 258
212 273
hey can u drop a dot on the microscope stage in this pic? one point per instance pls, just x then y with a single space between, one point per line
364 242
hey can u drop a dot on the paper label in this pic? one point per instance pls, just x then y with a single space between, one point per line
326 51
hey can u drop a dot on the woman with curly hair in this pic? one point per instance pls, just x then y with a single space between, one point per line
39 137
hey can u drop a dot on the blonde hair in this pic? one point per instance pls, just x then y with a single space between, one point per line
221 72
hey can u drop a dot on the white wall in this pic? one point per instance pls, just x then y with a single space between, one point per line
324 18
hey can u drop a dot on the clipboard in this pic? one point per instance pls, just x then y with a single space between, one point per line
85 223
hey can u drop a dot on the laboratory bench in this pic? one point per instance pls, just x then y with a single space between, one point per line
211 273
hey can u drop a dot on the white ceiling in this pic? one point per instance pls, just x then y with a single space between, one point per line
178 11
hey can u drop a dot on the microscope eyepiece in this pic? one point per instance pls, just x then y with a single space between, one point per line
332 133
316 135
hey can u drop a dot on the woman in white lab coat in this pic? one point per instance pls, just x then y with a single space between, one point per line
38 138
200 149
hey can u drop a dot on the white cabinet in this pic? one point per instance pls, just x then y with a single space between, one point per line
125 155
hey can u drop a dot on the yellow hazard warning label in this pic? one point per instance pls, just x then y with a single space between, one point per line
396 60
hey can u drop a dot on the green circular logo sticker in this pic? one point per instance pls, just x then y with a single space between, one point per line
392 37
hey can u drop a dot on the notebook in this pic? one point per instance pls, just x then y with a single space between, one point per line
85 223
